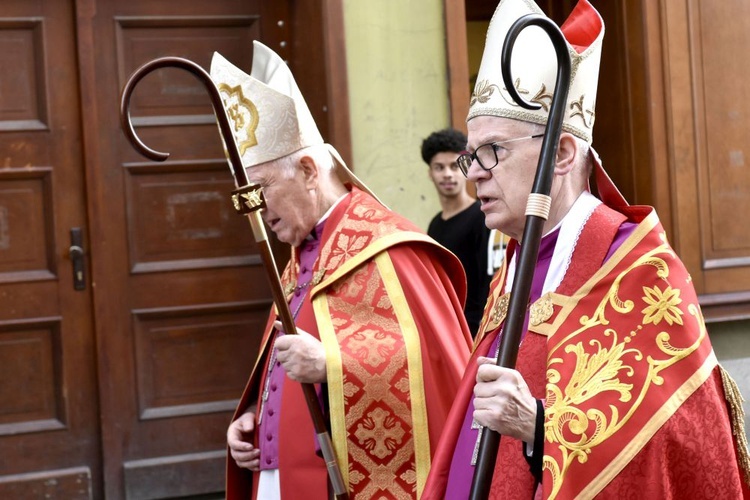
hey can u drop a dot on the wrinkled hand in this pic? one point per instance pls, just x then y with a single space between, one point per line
503 402
240 441
302 356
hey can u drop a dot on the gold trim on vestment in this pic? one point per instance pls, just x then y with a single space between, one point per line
369 252
541 310
547 303
569 303
486 325
590 379
418 401
650 428
335 379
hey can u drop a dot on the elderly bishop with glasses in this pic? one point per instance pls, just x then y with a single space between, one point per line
617 392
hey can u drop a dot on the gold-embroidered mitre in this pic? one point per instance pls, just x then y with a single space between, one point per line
267 112
534 67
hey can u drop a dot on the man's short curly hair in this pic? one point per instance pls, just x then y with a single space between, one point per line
448 139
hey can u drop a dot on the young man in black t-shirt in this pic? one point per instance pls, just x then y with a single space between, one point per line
459 226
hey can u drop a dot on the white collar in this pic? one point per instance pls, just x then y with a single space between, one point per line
330 210
326 215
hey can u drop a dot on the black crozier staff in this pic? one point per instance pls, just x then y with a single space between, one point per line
537 212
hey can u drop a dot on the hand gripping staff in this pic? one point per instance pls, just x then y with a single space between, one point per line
537 212
248 200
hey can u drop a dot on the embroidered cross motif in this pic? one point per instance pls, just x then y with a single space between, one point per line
380 433
242 113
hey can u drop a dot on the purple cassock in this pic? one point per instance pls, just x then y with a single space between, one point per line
268 428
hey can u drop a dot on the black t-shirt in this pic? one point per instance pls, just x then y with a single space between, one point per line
465 235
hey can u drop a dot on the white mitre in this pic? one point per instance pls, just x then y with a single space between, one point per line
267 112
534 67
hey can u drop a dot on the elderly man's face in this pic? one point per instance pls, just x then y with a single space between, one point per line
290 207
504 190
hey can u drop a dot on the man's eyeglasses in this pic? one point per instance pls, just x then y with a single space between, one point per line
486 154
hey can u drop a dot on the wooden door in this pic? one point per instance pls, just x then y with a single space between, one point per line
121 383
49 435
180 295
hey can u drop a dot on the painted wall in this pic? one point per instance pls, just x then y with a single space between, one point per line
398 95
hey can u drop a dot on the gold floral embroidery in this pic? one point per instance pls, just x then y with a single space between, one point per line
500 309
373 347
569 426
346 247
355 477
380 433
576 431
540 311
482 92
542 98
587 115
661 305
409 477
402 385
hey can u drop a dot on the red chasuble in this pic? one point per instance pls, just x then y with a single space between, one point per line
635 404
387 307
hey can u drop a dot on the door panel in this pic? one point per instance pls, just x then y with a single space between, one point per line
49 436
178 342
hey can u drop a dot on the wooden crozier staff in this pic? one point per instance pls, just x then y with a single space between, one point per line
248 200
537 212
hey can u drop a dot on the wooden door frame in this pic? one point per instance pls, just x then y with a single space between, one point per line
457 57
334 43
323 23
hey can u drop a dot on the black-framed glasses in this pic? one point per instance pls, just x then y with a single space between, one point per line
486 154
